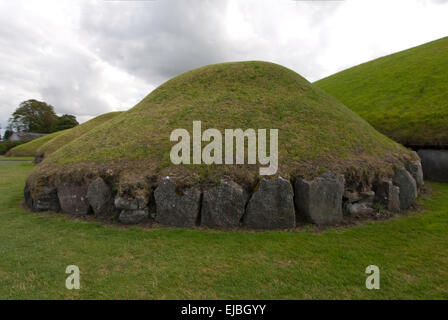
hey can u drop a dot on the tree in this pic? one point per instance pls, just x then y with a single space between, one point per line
40 117
65 121
33 116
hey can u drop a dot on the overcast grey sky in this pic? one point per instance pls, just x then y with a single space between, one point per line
90 57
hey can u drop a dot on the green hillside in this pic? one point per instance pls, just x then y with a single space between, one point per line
403 95
316 132
74 133
29 149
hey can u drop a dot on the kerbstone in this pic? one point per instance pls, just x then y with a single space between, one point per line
408 187
176 209
223 205
320 200
271 205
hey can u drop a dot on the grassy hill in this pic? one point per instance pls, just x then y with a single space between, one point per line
29 149
403 95
316 132
72 134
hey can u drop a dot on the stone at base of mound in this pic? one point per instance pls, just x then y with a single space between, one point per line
271 206
416 171
435 164
73 198
176 209
388 195
274 204
223 206
320 200
408 188
133 210
133 216
46 199
100 197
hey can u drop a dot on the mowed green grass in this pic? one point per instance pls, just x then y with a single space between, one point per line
134 263
403 95
74 133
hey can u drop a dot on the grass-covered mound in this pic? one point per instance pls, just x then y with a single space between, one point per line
29 149
73 133
403 95
316 132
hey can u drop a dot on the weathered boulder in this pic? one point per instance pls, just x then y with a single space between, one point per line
174 208
415 169
359 209
73 198
271 206
367 197
408 187
434 164
359 203
133 209
133 216
320 200
99 196
388 195
134 203
45 198
223 206
351 196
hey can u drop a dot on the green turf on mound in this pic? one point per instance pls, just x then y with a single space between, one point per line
403 95
29 149
316 132
74 133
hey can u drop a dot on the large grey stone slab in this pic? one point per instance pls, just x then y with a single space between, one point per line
320 200
99 195
176 209
416 171
73 198
223 205
408 187
271 206
45 198
434 164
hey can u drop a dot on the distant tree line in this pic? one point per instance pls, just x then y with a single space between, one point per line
39 117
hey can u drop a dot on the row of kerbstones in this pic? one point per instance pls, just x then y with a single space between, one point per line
274 203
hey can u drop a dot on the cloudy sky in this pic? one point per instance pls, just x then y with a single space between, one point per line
90 57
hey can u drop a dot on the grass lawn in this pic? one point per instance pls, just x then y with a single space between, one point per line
116 262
